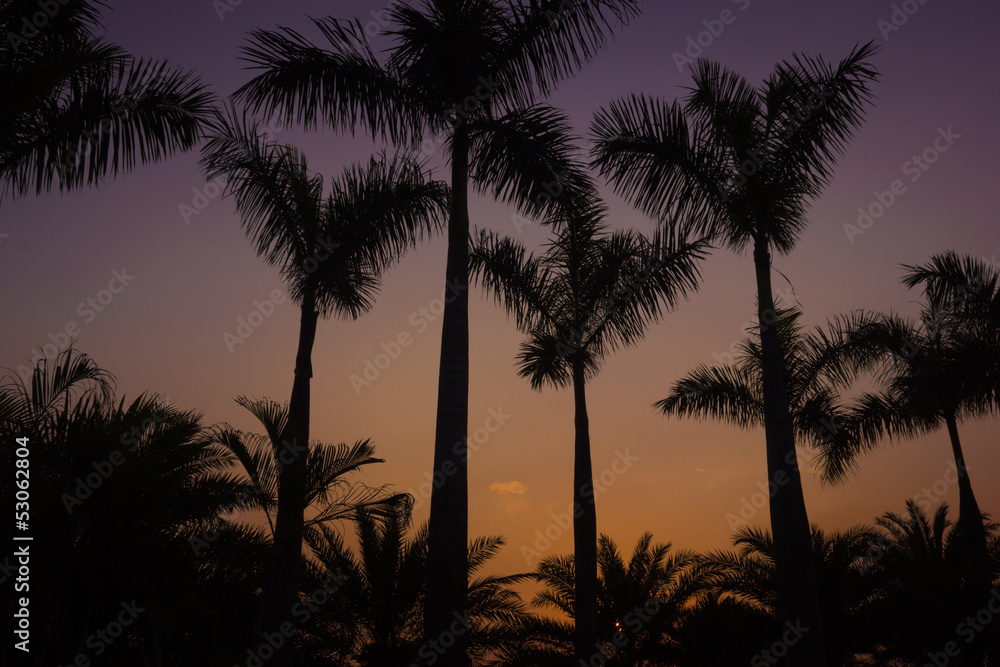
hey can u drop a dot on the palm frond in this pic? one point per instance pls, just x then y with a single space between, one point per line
342 86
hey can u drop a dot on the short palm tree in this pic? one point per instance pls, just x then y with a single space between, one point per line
329 495
332 250
741 164
464 75
79 108
377 616
590 293
119 490
817 366
642 603
849 597
918 564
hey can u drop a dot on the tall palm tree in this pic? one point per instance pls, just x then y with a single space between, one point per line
463 74
590 293
742 163
377 618
79 108
817 366
332 250
939 370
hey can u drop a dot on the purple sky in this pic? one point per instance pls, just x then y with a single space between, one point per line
193 279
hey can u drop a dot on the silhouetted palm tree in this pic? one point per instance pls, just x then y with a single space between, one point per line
742 163
377 616
590 293
78 107
850 601
936 371
463 74
332 250
816 366
918 564
126 500
642 603
329 496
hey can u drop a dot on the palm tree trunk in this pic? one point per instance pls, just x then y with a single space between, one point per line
798 593
446 621
584 527
281 589
970 520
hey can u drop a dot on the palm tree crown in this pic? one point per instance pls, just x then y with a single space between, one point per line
79 108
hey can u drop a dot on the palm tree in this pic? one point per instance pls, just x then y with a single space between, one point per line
78 107
377 619
328 494
937 371
918 564
118 492
463 74
741 164
643 603
590 293
332 250
816 366
851 600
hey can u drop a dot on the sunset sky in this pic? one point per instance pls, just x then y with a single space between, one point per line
165 330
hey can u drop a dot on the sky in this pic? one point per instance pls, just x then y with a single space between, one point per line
168 288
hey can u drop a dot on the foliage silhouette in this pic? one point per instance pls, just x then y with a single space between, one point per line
588 294
741 164
463 74
127 513
377 618
332 250
80 108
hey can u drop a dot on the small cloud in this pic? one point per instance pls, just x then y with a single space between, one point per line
699 470
515 488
